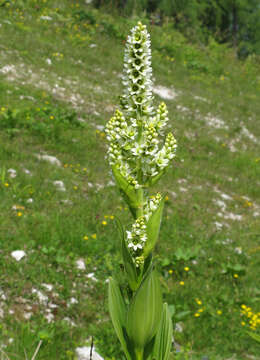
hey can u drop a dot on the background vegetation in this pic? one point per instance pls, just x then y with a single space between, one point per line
235 22
60 78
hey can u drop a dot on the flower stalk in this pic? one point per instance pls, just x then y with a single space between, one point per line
139 154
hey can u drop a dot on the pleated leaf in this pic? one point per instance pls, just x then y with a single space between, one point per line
154 179
128 191
117 310
153 228
163 338
145 311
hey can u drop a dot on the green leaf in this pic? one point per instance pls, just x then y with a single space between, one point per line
148 264
153 228
254 336
182 314
128 191
145 311
163 338
117 310
153 180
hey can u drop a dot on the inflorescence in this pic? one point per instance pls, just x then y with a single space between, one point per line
135 133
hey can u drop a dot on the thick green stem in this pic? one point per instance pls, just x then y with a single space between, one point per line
140 195
139 354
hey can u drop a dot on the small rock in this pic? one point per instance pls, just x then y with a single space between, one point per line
42 298
27 315
12 173
60 185
100 127
69 321
164 92
51 159
27 172
48 287
49 317
48 18
83 353
81 264
72 301
18 254
91 276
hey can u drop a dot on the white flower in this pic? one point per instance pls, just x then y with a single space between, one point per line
135 246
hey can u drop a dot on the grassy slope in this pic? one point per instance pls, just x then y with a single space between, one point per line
51 229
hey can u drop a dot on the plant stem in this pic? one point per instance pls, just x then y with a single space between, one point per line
140 195
139 354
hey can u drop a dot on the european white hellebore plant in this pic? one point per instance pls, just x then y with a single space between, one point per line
138 155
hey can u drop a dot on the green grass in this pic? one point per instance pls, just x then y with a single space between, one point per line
57 109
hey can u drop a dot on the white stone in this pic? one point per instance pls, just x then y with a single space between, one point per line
72 301
221 204
91 276
48 18
83 353
27 315
49 317
42 298
69 321
12 173
111 183
238 250
100 127
18 254
27 171
48 287
7 68
81 264
1 312
179 327
219 226
164 92
231 216
215 122
182 189
225 196
60 185
51 159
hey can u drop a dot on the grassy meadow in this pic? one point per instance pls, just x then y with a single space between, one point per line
60 79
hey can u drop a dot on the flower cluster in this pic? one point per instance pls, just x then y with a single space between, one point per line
253 318
137 237
135 137
137 74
